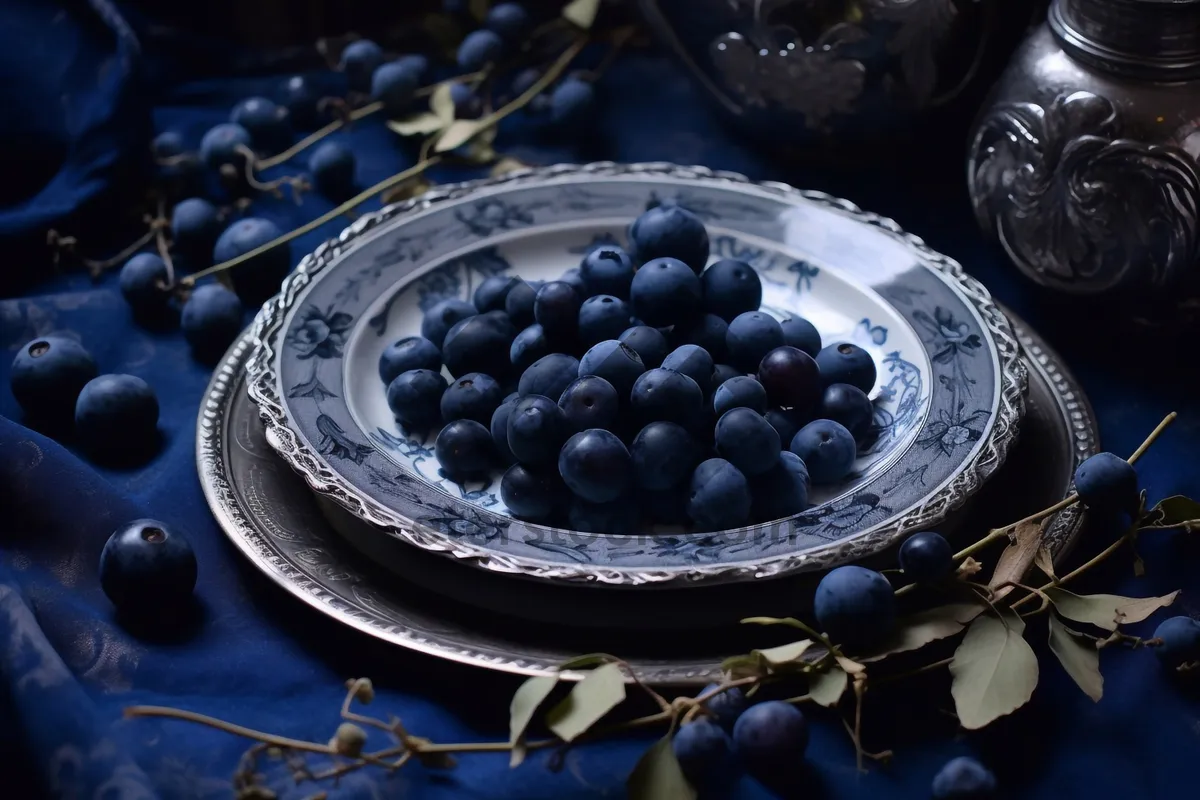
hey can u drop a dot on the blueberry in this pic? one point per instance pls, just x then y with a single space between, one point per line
667 396
731 287
705 754
195 226
415 397
48 374
781 491
493 291
300 97
143 282
266 123
393 84
856 607
499 429
182 176
478 344
1180 641
727 706
116 414
549 376
222 145
532 494
787 423
359 61
1108 485
259 278
464 448
649 343
722 373
665 291
617 363
574 278
167 144
590 402
926 557
332 168
524 80
693 361
536 430
664 456
707 331
519 302
740 392
602 317
802 335
847 363
850 406
211 320
750 337
668 507
411 352
791 378
467 103
556 308
571 102
438 320
478 49
617 517
827 449
595 466
746 440
607 270
510 20
473 396
145 565
719 496
770 739
670 231
529 346
964 778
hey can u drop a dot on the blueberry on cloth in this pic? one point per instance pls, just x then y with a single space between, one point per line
963 778
146 565
211 320
359 61
48 373
259 278
116 414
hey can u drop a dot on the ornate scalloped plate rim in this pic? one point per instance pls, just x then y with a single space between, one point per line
987 455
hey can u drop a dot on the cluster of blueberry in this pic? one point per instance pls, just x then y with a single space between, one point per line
626 375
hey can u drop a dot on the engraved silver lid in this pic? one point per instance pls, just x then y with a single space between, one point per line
1152 39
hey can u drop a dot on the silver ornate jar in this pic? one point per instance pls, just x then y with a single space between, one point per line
1084 162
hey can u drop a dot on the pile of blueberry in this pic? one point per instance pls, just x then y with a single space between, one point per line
639 387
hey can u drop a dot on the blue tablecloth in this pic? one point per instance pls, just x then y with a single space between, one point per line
259 658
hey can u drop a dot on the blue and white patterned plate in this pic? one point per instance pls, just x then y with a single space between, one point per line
949 397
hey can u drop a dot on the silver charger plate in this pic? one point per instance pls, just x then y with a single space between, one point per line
273 518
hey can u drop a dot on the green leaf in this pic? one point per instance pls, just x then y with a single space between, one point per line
457 134
744 666
600 692
524 705
1106 610
826 688
994 670
916 631
1079 658
417 124
1174 512
657 776
581 12
588 661
441 103
785 653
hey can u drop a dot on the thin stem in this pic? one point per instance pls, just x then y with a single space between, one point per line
620 39
228 727
96 267
1154 434
164 248
1075 573
316 136
659 700
472 77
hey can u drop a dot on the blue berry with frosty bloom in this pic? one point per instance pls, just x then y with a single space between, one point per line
534 495
849 406
856 607
741 391
664 455
520 301
750 337
143 282
926 557
603 317
499 429
607 270
195 226
145 565
617 363
222 144
770 739
746 440
556 308
259 278
116 414
529 346
549 376
536 431
595 466
847 363
332 167
787 423
411 352
590 402
510 20
791 378
571 102
1180 641
464 449
524 80
705 754
415 63
693 361
467 103
827 448
617 517
167 144
266 122
727 706
665 291
802 335
667 396
574 278
48 374
670 231
731 288
781 491
722 373
393 84
649 343
359 61
964 778
473 396
438 321
211 320
706 331
492 292
1107 484
719 496
478 49
300 96
479 343
415 398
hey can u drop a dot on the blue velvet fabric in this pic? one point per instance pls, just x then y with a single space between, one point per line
67 668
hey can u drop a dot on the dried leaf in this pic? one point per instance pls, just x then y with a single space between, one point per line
826 688
441 103
658 776
785 653
1016 559
581 12
1106 610
507 164
524 705
744 666
916 631
1175 512
994 670
1079 658
967 568
600 692
420 124
1045 561
457 134
417 185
